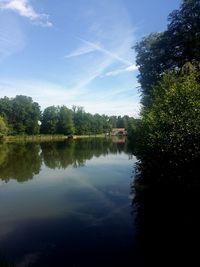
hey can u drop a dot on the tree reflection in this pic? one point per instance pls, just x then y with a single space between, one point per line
19 161
167 204
77 152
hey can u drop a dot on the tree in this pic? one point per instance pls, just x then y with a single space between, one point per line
171 49
106 125
50 118
113 121
21 113
6 107
25 115
65 121
3 128
172 123
78 116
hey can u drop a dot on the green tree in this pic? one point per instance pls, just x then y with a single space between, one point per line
6 108
171 49
84 123
3 128
172 123
50 118
21 113
65 121
106 125
113 121
25 115
120 122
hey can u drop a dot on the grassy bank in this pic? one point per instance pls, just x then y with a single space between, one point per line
44 137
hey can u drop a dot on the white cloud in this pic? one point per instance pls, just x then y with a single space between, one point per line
130 68
24 9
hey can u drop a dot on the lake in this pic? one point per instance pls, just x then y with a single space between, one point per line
66 204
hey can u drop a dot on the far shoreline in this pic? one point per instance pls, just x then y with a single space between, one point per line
47 137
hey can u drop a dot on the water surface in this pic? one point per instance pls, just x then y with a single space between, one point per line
66 203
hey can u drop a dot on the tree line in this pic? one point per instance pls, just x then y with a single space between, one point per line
169 74
22 116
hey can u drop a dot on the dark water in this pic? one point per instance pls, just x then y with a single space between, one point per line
167 207
89 203
66 204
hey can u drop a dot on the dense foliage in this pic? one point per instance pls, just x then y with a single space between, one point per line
169 78
21 114
171 49
172 123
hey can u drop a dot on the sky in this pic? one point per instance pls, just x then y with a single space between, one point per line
77 52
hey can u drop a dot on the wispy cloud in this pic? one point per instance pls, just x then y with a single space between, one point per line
24 9
104 49
47 94
107 58
130 68
89 47
83 50
12 39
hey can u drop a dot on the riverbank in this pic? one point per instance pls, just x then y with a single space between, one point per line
44 137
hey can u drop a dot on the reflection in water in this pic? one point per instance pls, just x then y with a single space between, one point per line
119 139
65 215
61 155
21 161
69 216
167 205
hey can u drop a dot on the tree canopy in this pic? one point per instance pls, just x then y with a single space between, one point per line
21 114
169 67
173 121
171 49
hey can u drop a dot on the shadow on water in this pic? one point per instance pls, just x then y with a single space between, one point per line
167 205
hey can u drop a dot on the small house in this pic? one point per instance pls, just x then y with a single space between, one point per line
119 131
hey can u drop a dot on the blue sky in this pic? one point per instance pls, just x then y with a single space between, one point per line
77 52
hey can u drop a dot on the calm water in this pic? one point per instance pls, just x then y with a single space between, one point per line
66 204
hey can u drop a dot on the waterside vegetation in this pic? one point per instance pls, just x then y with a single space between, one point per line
20 117
169 74
166 141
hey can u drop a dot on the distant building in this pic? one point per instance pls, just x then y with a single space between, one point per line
119 131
